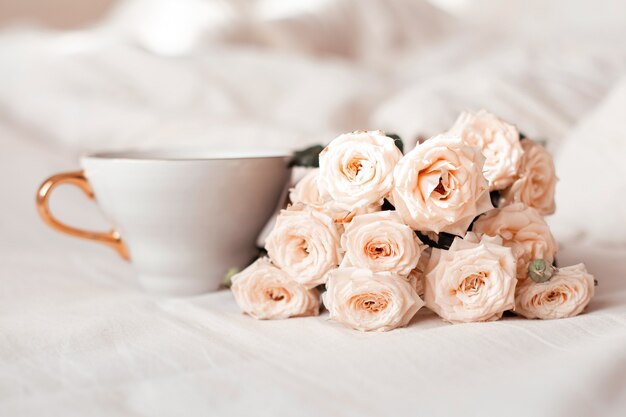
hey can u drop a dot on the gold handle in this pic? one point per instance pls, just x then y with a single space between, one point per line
111 238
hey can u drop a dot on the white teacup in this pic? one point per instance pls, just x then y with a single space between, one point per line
182 218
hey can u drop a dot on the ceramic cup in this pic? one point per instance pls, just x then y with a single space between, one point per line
182 218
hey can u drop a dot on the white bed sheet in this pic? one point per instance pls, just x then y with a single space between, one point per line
77 335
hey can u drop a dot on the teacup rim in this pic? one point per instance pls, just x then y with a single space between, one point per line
187 154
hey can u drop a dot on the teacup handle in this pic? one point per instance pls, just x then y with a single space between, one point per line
77 178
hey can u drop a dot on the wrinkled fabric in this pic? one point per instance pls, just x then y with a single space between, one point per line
78 336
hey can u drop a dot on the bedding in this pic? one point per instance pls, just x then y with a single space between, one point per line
78 336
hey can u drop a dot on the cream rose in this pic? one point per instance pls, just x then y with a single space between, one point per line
304 243
265 292
472 281
566 294
524 230
367 301
536 180
416 276
499 142
356 168
307 192
439 186
381 242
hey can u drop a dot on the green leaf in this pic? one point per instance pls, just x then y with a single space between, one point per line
397 140
309 157
540 271
441 240
387 206
495 198
227 281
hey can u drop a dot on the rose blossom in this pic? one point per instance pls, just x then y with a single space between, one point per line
472 281
265 292
439 186
524 230
355 169
380 242
536 180
307 192
416 276
499 142
366 300
566 294
304 243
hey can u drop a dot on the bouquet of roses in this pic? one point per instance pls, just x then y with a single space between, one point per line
456 224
